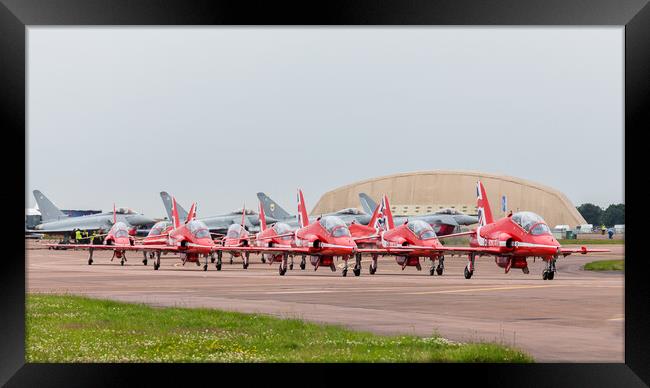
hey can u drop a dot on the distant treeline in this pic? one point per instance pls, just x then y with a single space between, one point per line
594 214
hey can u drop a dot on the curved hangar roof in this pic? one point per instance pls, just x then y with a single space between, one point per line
425 191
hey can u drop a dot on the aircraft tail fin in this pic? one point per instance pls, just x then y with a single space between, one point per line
387 214
303 217
376 219
271 208
367 203
191 214
49 212
114 214
175 220
243 217
167 202
483 205
262 217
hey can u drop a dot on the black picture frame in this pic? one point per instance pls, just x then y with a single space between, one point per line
17 15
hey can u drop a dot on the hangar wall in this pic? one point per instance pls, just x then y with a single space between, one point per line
430 188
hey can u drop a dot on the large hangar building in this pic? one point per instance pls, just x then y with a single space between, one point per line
429 191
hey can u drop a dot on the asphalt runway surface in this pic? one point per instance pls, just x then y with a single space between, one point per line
577 317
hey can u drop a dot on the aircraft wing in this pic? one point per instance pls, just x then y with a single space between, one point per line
582 250
413 248
275 249
102 247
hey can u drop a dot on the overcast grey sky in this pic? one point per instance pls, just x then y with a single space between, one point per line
217 114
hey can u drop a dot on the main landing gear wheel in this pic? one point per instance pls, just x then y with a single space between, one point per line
122 262
545 275
303 264
282 270
357 271
291 266
468 273
205 267
439 270
144 261
551 275
263 260
90 261
218 266
156 266
212 259
432 270
333 267
372 270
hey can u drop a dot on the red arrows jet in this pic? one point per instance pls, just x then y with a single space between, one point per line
410 242
237 236
515 238
322 241
118 239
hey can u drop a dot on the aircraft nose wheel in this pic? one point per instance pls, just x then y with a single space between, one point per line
144 261
90 261
212 259
122 262
303 263
205 267
468 273
432 270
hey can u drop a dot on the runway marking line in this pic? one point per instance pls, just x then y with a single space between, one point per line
485 289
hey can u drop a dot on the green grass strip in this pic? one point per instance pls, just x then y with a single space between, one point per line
606 265
63 328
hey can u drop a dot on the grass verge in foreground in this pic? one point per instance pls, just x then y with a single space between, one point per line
606 265
591 242
76 329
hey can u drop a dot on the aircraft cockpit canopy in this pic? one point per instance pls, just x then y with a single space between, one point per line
449 211
158 228
421 229
124 210
350 211
234 231
282 228
532 223
334 226
249 212
120 230
198 229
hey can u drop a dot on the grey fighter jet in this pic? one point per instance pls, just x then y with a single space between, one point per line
218 224
54 221
444 221
275 212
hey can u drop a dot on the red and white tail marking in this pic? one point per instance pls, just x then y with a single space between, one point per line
262 218
303 218
388 214
483 205
175 221
243 217
192 213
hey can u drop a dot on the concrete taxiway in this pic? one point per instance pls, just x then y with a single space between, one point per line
577 317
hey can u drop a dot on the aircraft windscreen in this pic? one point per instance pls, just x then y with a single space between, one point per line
334 226
158 228
351 211
449 211
421 229
124 210
282 228
198 229
540 229
234 231
527 220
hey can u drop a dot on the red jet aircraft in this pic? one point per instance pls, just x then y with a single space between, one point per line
514 238
118 239
322 241
410 242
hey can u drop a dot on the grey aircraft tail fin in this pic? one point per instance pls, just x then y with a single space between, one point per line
367 203
272 209
49 211
167 201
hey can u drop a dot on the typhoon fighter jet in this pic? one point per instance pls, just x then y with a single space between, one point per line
273 212
219 224
443 222
54 221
